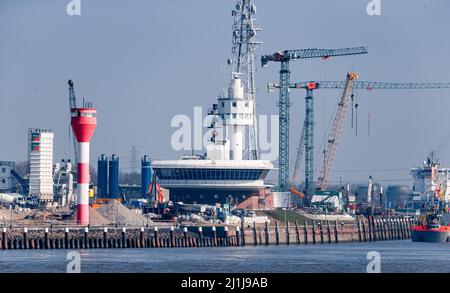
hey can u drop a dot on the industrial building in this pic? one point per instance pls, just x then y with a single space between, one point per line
7 181
40 159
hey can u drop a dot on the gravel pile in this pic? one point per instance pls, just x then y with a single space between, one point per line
117 213
95 218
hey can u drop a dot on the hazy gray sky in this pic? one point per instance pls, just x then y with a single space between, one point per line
142 62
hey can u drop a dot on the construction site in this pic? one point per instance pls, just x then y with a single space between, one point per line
229 188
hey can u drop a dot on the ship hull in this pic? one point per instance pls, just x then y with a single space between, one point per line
430 236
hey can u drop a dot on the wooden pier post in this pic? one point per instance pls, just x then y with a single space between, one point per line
314 232
336 235
380 229
226 236
394 222
287 232
374 230
185 236
328 231
297 233
364 231
4 239
200 237
215 243
172 240
156 236
277 235
405 227
25 238
266 233
369 228
321 232
358 224
105 237
241 240
142 237
388 229
255 239
238 236
385 229
379 234
402 226
305 227
124 237
86 238
409 225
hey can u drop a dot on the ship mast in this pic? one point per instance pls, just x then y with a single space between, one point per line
244 45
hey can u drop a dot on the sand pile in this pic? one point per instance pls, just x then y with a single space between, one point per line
117 213
95 218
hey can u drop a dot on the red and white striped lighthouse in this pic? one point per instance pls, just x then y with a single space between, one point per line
83 122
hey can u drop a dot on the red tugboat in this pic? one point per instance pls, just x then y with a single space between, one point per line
434 227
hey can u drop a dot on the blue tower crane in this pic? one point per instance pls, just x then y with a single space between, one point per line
310 86
284 100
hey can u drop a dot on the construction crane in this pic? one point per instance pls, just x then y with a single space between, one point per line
336 131
73 105
284 100
368 85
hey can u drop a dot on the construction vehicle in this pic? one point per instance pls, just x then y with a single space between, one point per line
155 193
284 102
327 201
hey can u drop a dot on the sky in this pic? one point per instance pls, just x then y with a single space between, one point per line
142 62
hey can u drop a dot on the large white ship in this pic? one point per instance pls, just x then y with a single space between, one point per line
231 170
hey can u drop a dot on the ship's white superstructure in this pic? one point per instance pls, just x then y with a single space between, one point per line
223 174
431 181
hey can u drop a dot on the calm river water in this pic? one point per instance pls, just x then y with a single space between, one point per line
396 257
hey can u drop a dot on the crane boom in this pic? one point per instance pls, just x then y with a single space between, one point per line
73 105
336 132
370 85
298 158
311 53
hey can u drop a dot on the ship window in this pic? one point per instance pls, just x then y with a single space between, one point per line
234 104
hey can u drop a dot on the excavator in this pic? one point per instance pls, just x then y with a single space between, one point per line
154 192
